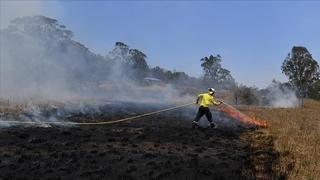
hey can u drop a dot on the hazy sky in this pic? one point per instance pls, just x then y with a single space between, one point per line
253 38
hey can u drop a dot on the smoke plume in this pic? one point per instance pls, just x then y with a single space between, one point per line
281 95
41 62
41 66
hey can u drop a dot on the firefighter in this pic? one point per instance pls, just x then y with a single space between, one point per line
204 100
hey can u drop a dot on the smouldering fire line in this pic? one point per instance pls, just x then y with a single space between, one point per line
102 122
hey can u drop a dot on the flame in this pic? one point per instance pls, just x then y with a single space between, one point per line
234 113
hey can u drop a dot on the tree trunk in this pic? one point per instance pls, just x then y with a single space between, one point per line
301 96
236 98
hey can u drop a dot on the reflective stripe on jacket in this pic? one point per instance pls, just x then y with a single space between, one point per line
206 99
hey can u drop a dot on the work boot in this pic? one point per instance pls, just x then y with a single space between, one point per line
213 125
194 124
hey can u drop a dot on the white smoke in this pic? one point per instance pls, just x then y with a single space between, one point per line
41 65
10 10
282 95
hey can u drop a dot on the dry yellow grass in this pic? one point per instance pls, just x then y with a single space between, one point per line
297 138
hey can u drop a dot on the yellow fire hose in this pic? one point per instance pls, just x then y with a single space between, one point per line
103 122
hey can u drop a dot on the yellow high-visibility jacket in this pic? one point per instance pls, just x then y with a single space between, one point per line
206 99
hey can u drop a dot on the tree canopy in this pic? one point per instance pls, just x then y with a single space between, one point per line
214 73
301 69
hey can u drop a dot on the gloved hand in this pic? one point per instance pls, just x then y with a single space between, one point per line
197 101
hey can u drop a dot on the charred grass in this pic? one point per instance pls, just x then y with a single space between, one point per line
157 147
296 135
151 149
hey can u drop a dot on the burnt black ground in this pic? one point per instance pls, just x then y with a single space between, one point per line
155 147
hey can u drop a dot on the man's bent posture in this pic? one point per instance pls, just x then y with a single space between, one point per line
204 100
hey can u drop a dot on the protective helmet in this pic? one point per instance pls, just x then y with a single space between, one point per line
211 90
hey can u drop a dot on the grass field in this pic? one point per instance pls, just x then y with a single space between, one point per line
296 134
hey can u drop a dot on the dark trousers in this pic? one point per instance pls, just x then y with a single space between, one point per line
203 111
